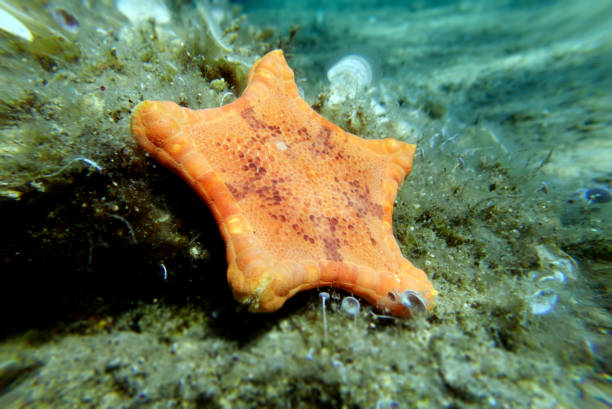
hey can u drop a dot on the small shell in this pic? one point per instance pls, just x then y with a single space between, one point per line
14 26
348 77
553 261
413 301
140 10
353 68
350 305
543 301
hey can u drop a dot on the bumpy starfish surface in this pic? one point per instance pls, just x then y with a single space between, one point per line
300 202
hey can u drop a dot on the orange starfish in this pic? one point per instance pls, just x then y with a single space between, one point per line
300 202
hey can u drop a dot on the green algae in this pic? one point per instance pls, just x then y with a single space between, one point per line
126 267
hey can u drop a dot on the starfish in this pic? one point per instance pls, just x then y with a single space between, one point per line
299 202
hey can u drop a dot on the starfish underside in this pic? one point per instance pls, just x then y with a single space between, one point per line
300 202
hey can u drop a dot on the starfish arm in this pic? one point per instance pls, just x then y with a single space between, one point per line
281 282
271 74
159 129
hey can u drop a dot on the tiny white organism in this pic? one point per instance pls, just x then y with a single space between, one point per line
349 76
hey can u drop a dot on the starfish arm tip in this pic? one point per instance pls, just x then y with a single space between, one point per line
152 122
271 72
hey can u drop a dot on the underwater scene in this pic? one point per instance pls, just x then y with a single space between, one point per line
306 204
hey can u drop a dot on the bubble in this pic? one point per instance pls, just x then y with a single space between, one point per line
597 195
591 196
